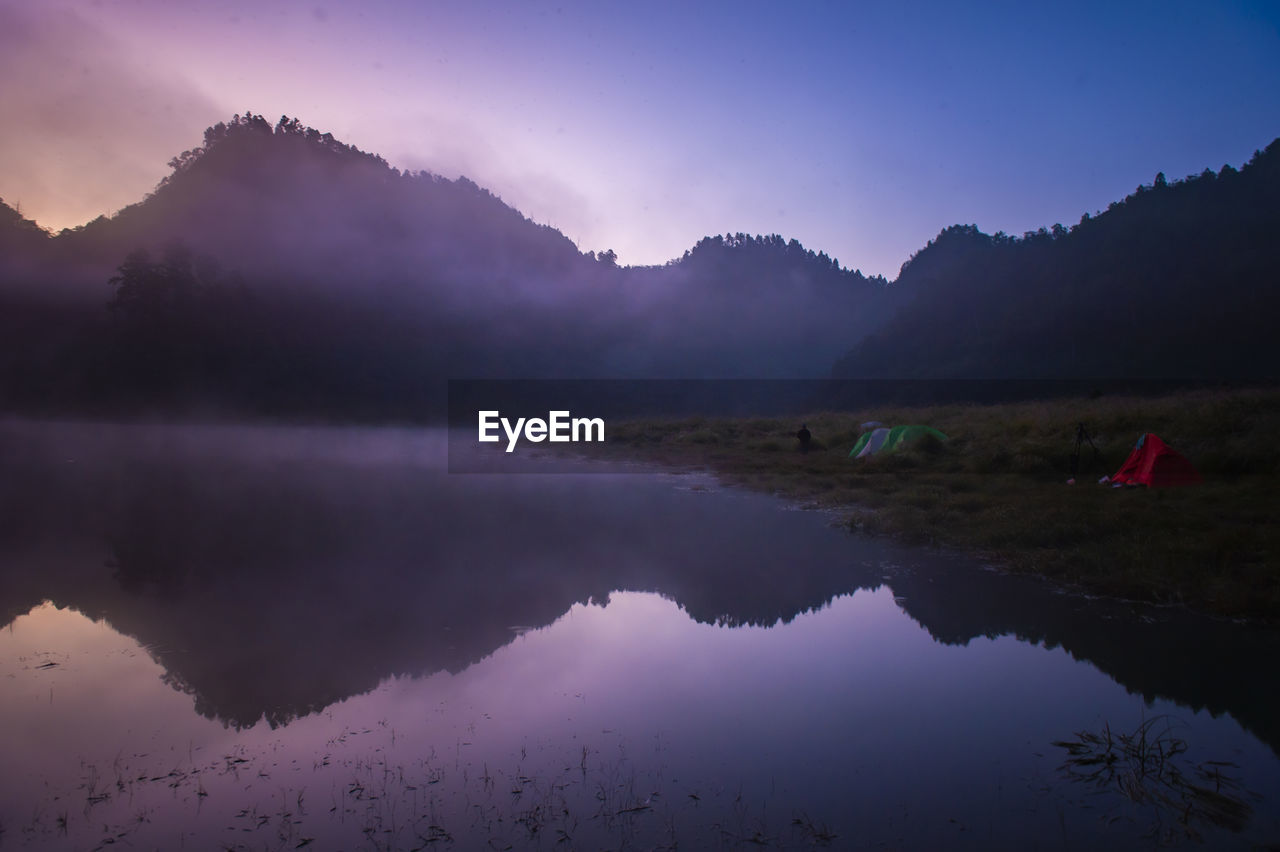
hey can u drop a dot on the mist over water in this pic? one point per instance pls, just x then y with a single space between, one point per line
253 634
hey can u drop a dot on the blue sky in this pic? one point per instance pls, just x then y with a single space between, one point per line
861 129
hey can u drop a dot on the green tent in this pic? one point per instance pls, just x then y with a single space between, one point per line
886 440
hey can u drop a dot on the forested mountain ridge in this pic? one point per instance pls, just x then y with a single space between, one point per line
279 270
277 197
1178 280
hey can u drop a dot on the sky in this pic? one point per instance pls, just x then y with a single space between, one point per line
860 128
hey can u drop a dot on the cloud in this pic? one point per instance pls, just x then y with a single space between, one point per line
87 126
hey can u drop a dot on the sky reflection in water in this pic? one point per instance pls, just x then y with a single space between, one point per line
500 688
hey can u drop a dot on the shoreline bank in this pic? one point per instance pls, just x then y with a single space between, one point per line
997 488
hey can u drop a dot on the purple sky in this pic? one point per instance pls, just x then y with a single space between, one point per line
861 129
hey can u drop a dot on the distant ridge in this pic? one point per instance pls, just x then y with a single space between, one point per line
278 270
1181 279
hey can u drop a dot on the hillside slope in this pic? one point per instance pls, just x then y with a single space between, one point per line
1178 280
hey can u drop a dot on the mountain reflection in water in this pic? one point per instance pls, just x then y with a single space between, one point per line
275 573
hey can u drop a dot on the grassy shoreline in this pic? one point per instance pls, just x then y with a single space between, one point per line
998 487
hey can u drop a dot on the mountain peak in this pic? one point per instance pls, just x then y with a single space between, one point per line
17 231
251 137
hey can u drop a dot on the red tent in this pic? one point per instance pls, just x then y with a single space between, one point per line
1154 463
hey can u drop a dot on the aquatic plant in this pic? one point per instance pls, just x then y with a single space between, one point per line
1148 768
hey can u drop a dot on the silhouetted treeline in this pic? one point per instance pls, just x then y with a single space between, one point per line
300 275
1177 280
286 273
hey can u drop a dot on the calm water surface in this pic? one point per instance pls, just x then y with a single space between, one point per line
281 638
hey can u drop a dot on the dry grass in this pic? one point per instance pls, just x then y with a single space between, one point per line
998 487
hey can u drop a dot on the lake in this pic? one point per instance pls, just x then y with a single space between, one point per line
282 637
